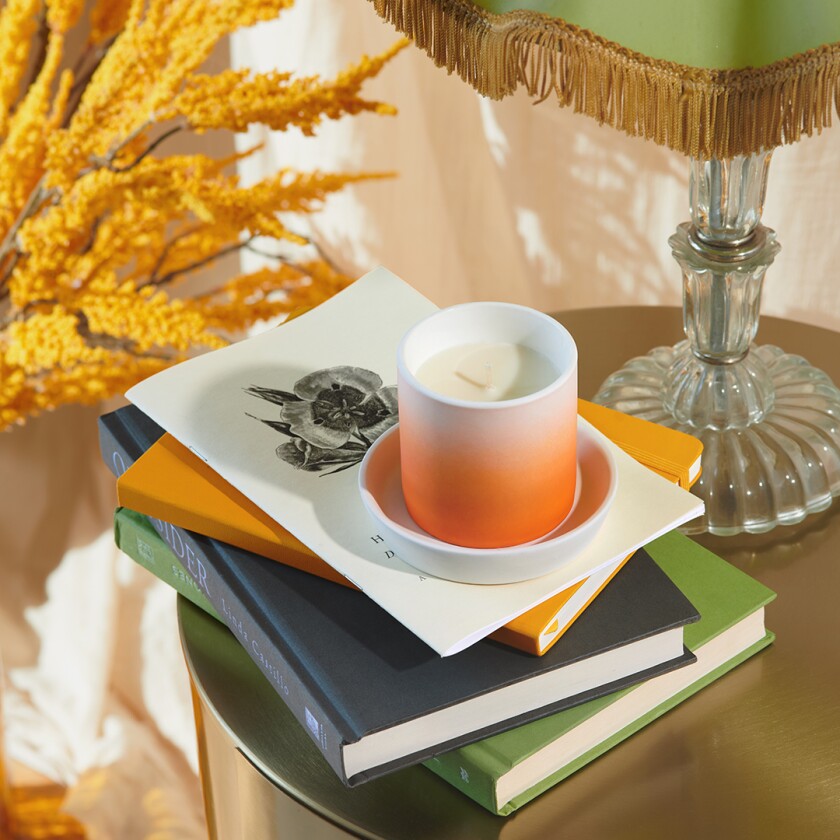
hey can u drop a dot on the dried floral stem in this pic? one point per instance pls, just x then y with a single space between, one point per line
98 223
40 195
40 56
108 160
167 249
81 79
193 266
8 269
260 253
310 242
117 147
114 343
281 258
27 309
36 198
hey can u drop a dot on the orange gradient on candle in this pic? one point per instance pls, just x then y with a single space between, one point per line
488 474
513 494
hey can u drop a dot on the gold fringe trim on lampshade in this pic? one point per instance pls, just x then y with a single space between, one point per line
703 113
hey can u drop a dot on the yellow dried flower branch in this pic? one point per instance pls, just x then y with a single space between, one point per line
107 18
98 226
235 99
63 15
271 292
18 25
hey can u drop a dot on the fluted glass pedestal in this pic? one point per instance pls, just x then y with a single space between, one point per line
769 421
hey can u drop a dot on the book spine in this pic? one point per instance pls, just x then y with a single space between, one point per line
507 635
196 553
138 539
124 436
475 779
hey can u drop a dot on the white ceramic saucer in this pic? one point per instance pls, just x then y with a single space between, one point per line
380 485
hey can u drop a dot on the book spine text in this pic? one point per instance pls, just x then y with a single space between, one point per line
196 555
139 540
123 439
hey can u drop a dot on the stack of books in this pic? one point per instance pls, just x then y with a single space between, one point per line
501 690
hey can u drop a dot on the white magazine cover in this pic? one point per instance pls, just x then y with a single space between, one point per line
226 406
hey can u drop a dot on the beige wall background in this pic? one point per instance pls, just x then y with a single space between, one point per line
502 200
521 202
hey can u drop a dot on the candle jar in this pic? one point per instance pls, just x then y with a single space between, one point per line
487 471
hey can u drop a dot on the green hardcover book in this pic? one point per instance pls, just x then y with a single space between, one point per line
506 771
134 531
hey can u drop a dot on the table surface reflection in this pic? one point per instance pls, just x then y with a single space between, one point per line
756 754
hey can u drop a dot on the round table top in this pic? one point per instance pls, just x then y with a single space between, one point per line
756 754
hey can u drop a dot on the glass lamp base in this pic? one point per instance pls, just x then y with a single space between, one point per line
756 473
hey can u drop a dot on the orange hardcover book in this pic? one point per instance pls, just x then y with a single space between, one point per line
171 483
673 454
536 630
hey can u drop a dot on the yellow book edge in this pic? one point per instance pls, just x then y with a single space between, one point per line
168 473
556 614
671 453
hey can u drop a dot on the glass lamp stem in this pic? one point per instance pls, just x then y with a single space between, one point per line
769 421
724 253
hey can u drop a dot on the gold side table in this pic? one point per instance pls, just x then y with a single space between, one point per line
755 755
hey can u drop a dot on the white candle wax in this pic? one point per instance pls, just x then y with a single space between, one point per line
487 372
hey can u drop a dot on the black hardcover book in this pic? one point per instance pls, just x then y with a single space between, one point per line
375 698
124 435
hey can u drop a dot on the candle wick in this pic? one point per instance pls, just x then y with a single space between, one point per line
488 382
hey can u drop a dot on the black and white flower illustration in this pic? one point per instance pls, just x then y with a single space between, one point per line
331 417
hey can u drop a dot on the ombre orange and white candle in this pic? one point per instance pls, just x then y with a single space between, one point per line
488 419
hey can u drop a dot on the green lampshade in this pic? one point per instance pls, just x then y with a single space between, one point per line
714 34
713 79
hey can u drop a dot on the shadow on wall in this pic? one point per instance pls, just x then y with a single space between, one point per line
515 201
499 200
543 206
592 207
